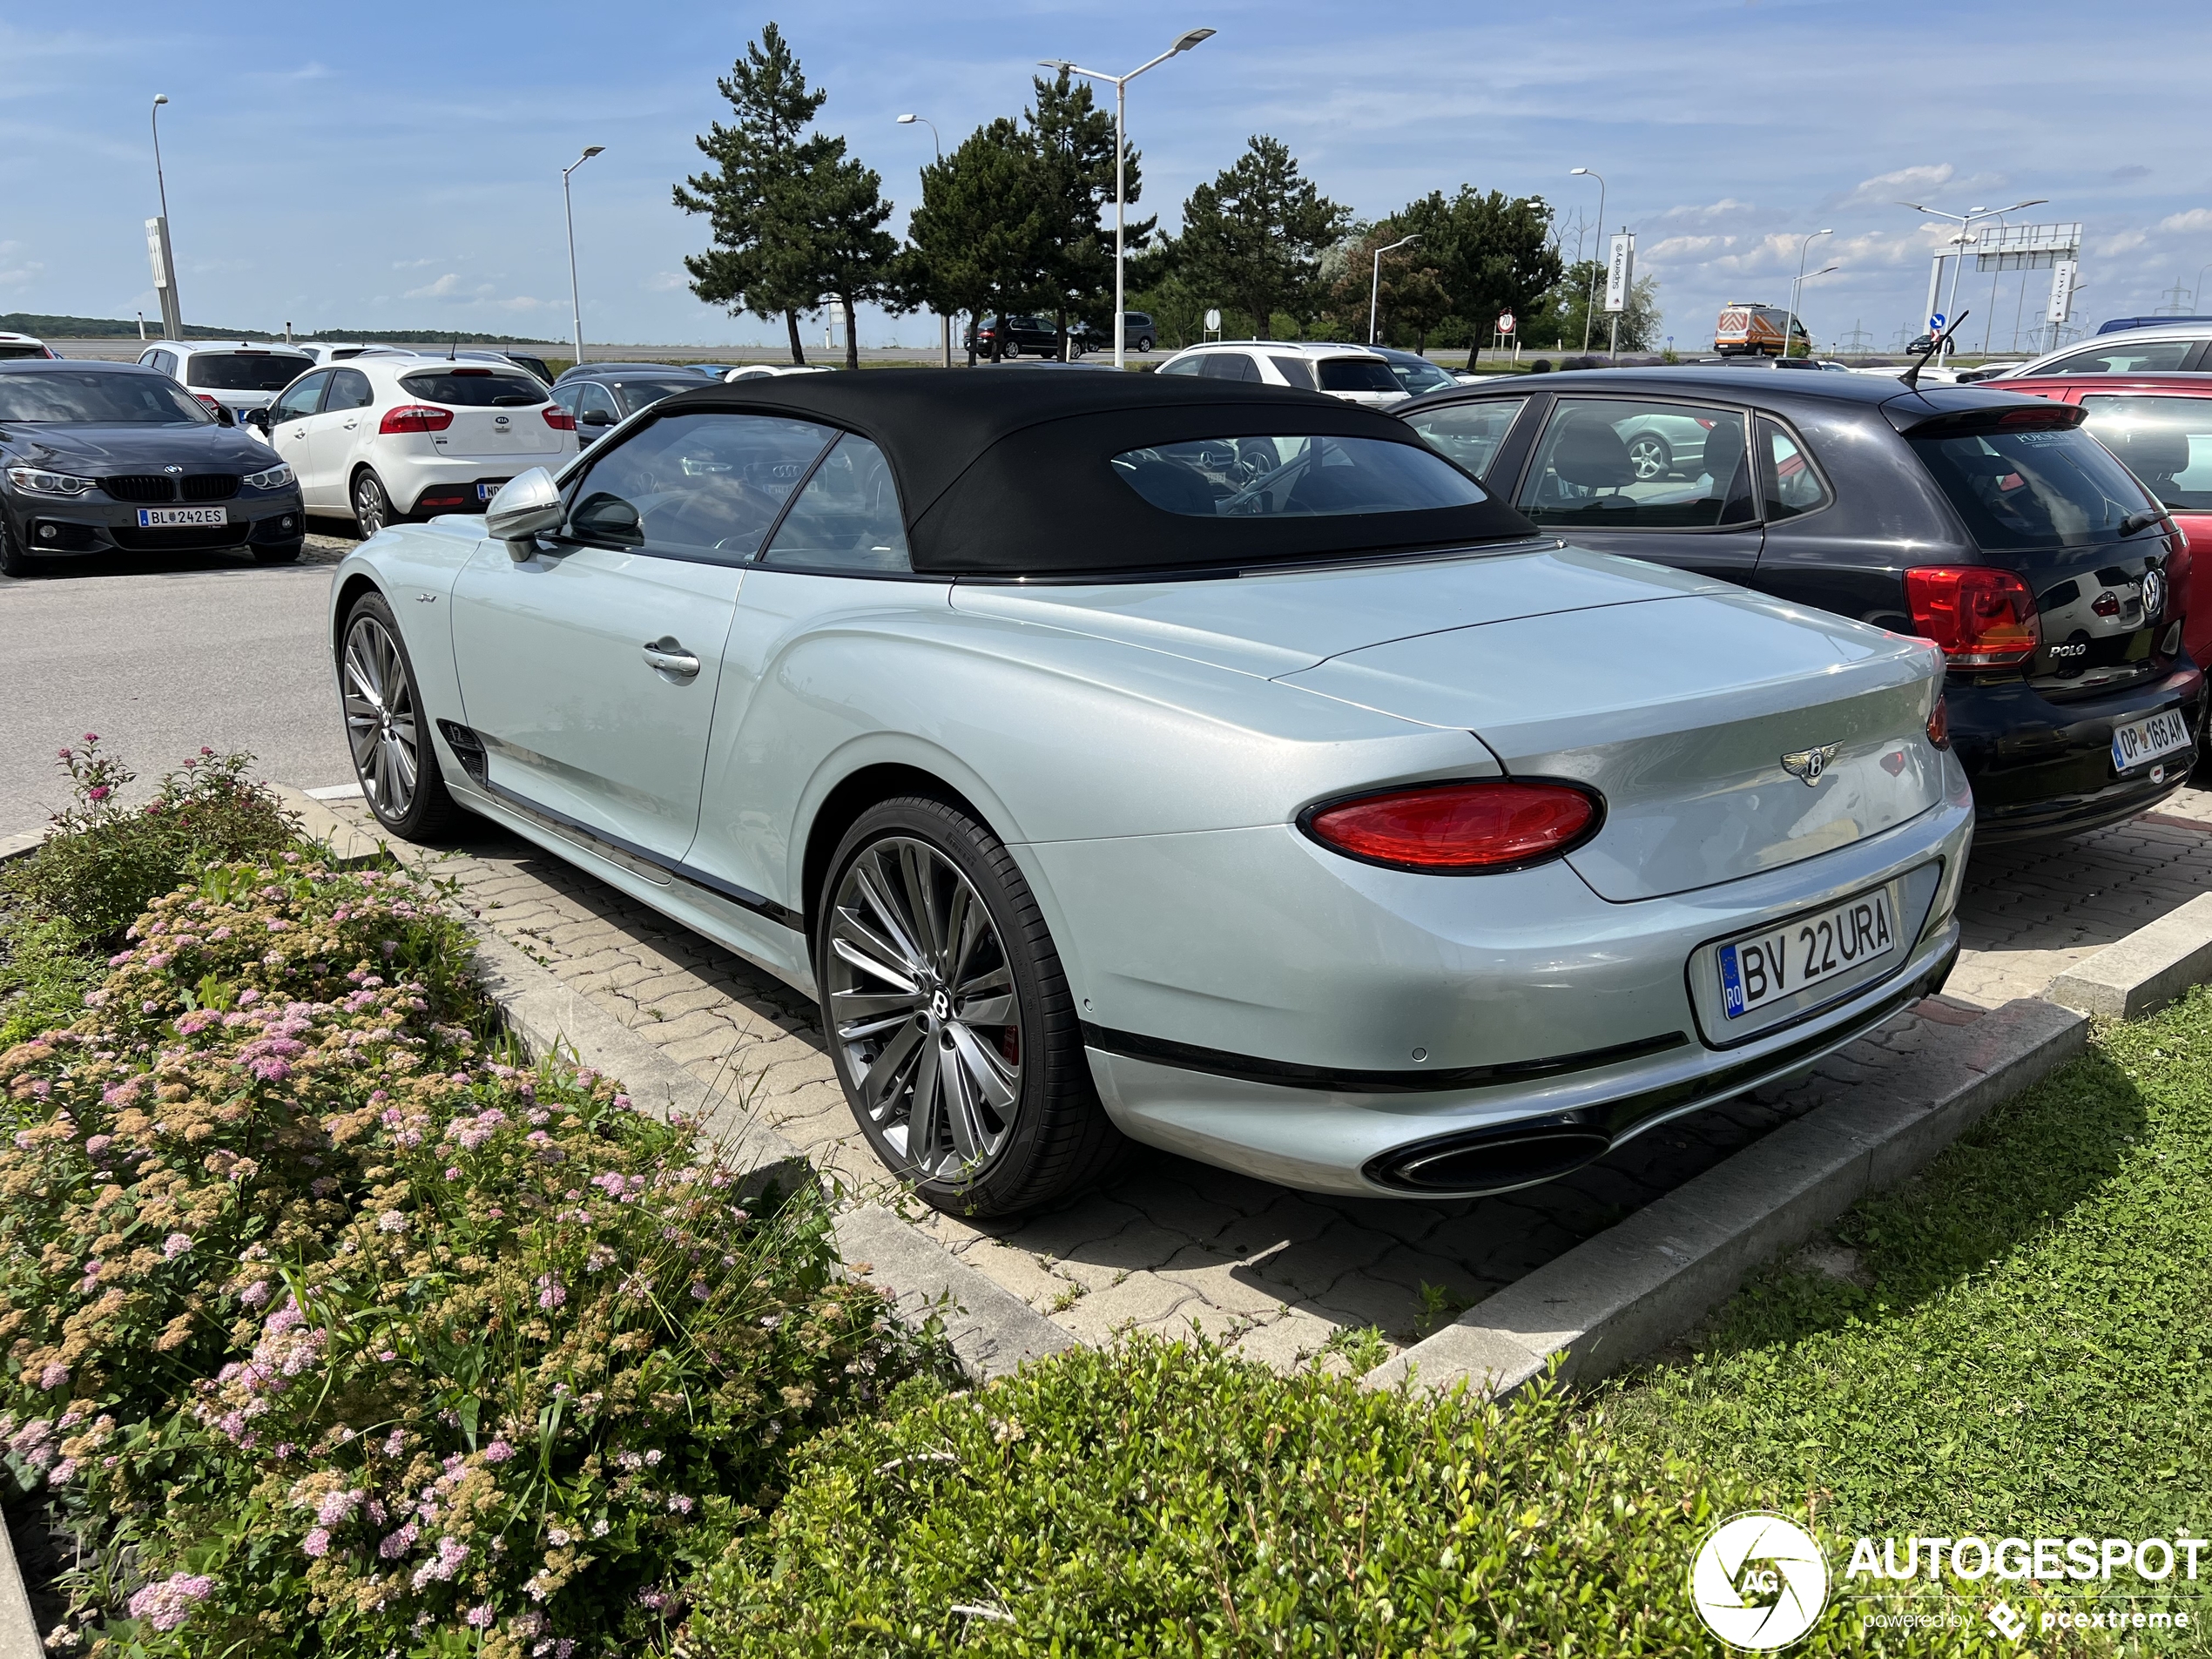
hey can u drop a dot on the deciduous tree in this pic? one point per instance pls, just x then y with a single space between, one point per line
1490 253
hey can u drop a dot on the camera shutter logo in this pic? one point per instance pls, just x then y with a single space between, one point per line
1759 1581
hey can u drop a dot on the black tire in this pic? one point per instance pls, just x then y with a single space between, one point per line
1054 1135
375 682
281 553
1144 343
372 508
13 559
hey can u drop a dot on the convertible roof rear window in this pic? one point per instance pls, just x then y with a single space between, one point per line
1302 476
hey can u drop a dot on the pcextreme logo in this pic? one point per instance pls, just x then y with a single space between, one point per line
1759 1581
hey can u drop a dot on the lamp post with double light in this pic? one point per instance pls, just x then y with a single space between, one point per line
1966 222
1796 302
1183 42
1374 287
1790 327
907 121
1590 305
576 301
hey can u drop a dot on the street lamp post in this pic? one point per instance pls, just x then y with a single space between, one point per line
172 312
1590 305
907 121
1374 287
2196 295
1796 300
1183 42
1965 223
576 300
1790 327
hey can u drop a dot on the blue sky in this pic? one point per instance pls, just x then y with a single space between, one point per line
398 165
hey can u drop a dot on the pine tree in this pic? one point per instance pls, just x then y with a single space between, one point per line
979 236
1073 143
1254 237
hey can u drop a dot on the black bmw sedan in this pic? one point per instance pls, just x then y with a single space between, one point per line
1986 522
100 457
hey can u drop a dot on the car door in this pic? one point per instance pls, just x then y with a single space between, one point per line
335 434
588 669
595 413
291 419
1656 478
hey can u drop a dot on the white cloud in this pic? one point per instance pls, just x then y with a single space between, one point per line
1883 186
414 265
1726 204
666 282
445 288
2197 218
2121 242
16 276
1679 247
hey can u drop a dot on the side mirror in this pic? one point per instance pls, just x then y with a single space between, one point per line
258 419
526 506
594 417
223 415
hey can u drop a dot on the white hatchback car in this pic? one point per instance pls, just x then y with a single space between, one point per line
1352 373
381 439
239 377
14 345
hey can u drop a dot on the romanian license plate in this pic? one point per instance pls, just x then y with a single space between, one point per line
2143 740
166 518
485 492
1763 967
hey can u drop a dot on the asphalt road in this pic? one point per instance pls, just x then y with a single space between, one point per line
160 656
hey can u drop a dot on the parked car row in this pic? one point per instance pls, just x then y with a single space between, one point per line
1038 337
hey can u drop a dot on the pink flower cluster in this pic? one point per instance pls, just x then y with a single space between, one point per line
166 1605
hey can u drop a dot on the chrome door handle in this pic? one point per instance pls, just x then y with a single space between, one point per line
670 658
350 425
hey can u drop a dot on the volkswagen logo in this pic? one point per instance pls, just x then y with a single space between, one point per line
2153 595
1811 763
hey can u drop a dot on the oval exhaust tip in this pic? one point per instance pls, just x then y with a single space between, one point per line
1495 1161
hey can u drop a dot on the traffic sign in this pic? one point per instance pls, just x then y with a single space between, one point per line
1936 322
1213 321
1505 322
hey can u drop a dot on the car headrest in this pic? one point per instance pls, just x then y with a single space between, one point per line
2149 452
1589 452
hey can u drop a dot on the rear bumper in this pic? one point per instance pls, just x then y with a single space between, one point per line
1254 1002
2044 769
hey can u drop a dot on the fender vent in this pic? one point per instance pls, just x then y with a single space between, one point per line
469 747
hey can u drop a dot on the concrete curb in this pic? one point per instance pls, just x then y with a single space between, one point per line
14 846
1616 1298
19 1634
348 844
2146 970
991 1330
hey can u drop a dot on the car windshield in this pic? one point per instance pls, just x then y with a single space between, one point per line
95 397
1356 374
1414 376
1294 477
2166 442
475 388
634 395
244 371
2033 489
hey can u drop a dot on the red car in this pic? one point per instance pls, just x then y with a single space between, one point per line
2160 425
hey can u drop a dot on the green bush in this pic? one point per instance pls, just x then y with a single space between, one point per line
46 967
339 1336
104 862
1167 1499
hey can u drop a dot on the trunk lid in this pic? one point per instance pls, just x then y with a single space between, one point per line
493 433
1680 711
1273 622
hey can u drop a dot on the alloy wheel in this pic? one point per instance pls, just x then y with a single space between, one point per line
370 509
381 723
1649 457
922 1002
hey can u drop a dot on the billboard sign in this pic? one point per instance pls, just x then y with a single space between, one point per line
2026 247
2063 275
1620 272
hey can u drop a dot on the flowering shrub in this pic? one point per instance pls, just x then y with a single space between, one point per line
104 862
341 1335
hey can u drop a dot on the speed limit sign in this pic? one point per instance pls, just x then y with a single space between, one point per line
1505 322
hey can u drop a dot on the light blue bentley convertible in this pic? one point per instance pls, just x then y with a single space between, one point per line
1183 762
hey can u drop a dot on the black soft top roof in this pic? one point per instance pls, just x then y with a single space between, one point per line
1010 474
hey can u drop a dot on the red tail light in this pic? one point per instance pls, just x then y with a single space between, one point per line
415 417
211 402
558 418
1458 828
1939 725
1982 618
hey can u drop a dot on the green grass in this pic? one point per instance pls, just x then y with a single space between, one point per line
2022 1347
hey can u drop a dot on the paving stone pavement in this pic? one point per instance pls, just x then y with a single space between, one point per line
1169 1245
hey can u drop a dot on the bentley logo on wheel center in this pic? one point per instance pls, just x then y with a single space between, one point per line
1810 763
